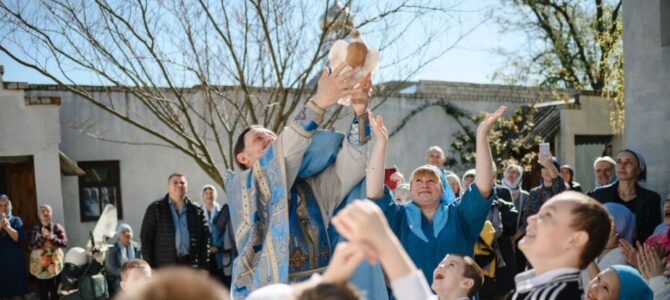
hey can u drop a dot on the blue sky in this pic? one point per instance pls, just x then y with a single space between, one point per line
473 60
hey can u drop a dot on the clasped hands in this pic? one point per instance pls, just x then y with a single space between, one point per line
367 232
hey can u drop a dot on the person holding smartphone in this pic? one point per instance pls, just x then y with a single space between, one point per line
551 184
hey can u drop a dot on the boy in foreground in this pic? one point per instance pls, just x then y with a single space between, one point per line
569 232
133 273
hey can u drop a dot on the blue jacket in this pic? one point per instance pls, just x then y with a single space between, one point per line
113 258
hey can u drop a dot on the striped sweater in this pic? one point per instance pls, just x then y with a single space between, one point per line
553 285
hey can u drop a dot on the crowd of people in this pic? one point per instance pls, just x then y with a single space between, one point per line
311 216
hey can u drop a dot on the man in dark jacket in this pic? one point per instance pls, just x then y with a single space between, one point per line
174 230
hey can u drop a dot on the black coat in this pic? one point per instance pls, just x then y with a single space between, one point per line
647 208
503 193
158 235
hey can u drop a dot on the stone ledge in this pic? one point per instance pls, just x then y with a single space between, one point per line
15 85
42 100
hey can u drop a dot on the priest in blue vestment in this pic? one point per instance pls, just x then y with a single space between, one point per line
282 201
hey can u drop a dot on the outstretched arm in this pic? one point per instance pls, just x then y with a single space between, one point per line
297 135
374 184
335 182
364 222
484 162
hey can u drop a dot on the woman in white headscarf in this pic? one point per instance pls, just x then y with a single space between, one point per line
124 250
513 180
222 250
604 169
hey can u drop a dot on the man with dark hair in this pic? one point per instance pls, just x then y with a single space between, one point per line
281 202
174 229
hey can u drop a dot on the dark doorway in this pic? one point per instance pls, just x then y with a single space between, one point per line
17 180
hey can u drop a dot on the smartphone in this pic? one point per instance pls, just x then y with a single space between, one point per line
544 149
387 177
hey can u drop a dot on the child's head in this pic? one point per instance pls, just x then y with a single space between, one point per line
570 230
457 273
133 272
619 282
176 283
330 291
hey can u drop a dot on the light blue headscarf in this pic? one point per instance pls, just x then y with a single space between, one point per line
441 213
624 221
631 285
122 227
4 197
127 253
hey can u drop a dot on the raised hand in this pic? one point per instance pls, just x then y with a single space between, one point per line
649 263
3 221
378 128
345 260
397 177
483 163
45 233
363 221
333 86
490 119
360 98
629 252
546 161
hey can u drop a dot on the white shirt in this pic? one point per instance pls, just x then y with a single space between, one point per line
660 288
414 286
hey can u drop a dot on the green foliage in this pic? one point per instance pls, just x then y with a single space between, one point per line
572 44
506 139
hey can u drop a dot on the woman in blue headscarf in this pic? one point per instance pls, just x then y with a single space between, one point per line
624 221
623 228
551 184
13 273
619 282
432 224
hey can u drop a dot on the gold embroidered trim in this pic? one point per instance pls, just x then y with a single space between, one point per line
306 273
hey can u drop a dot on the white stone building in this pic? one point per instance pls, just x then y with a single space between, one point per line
646 45
42 142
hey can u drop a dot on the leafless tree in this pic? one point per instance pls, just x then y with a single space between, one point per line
199 71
